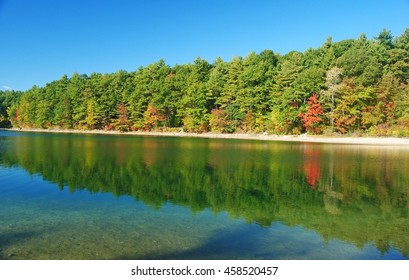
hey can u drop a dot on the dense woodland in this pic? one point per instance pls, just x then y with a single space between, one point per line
355 86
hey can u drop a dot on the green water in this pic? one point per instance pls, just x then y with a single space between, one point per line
128 197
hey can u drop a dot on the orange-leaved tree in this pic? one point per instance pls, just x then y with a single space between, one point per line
312 118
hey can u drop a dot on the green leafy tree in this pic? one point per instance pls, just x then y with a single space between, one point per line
361 62
362 85
385 38
195 116
233 83
76 93
383 110
253 97
63 104
8 104
217 83
286 100
353 99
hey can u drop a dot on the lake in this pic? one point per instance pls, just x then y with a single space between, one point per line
137 197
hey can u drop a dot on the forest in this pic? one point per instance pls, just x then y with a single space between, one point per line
354 87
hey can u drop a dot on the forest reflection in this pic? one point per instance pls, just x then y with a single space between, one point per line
352 193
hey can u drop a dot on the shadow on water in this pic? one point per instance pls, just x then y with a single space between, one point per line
222 245
9 239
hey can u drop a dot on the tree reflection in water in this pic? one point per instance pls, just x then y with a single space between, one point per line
352 193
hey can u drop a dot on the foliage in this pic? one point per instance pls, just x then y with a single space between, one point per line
8 99
362 85
312 118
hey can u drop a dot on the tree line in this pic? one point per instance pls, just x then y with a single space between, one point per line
351 86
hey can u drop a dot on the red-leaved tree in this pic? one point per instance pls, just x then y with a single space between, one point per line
312 118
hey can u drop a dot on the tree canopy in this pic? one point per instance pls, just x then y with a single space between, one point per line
355 85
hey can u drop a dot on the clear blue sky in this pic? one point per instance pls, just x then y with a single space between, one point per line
41 40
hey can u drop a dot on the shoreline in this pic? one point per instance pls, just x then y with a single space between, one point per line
388 141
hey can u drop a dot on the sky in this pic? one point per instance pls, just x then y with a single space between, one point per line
42 40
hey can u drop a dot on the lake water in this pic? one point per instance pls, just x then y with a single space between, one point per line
133 197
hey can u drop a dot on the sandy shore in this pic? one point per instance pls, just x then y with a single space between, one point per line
288 138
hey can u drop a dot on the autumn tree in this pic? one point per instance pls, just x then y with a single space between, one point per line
353 99
332 83
312 118
361 84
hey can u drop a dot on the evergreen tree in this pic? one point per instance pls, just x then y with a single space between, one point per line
363 84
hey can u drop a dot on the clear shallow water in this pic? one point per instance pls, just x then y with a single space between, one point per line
118 197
